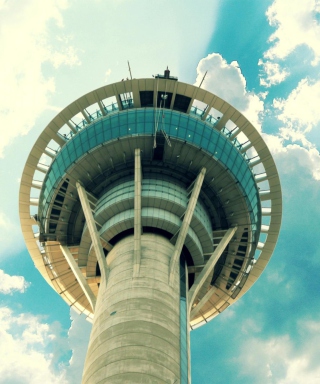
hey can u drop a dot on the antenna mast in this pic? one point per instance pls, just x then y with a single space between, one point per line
129 70
203 79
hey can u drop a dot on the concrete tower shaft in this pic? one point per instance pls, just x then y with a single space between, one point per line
136 327
152 214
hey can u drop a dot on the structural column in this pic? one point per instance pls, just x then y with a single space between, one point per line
95 238
78 275
136 329
186 223
197 285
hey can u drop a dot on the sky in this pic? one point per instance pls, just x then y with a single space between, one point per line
263 57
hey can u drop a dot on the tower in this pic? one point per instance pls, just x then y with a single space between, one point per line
149 205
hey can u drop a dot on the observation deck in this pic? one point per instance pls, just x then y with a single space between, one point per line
151 156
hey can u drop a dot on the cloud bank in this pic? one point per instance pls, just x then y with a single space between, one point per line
296 24
26 48
26 350
10 284
227 81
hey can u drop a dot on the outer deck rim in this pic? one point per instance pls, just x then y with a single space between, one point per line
135 86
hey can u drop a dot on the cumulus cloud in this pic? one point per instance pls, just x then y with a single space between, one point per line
227 81
295 25
272 73
33 351
279 360
299 117
78 340
26 47
300 110
10 284
24 352
288 157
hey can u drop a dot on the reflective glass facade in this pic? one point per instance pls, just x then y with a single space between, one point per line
135 122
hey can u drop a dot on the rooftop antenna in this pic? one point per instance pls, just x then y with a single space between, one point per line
129 70
203 79
167 73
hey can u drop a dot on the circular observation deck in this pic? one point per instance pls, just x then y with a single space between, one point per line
177 130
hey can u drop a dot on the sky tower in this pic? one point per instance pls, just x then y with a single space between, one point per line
149 205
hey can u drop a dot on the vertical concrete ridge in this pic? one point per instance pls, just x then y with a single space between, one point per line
137 212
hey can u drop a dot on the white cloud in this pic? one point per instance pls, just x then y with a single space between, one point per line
296 24
250 326
275 277
78 339
34 352
10 284
300 115
300 111
272 73
227 81
289 157
300 118
274 143
279 359
25 48
24 352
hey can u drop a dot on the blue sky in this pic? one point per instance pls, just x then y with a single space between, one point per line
261 56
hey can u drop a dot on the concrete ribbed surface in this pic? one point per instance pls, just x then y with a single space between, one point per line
136 329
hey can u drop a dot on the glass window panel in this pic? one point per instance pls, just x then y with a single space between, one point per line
175 119
123 130
148 127
142 121
140 117
221 143
131 118
85 145
204 143
123 119
79 150
212 147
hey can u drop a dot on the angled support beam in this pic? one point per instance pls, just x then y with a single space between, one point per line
224 119
137 212
95 238
105 244
79 276
202 302
72 127
85 115
185 224
197 285
60 139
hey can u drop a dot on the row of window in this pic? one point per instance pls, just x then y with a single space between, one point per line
142 122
